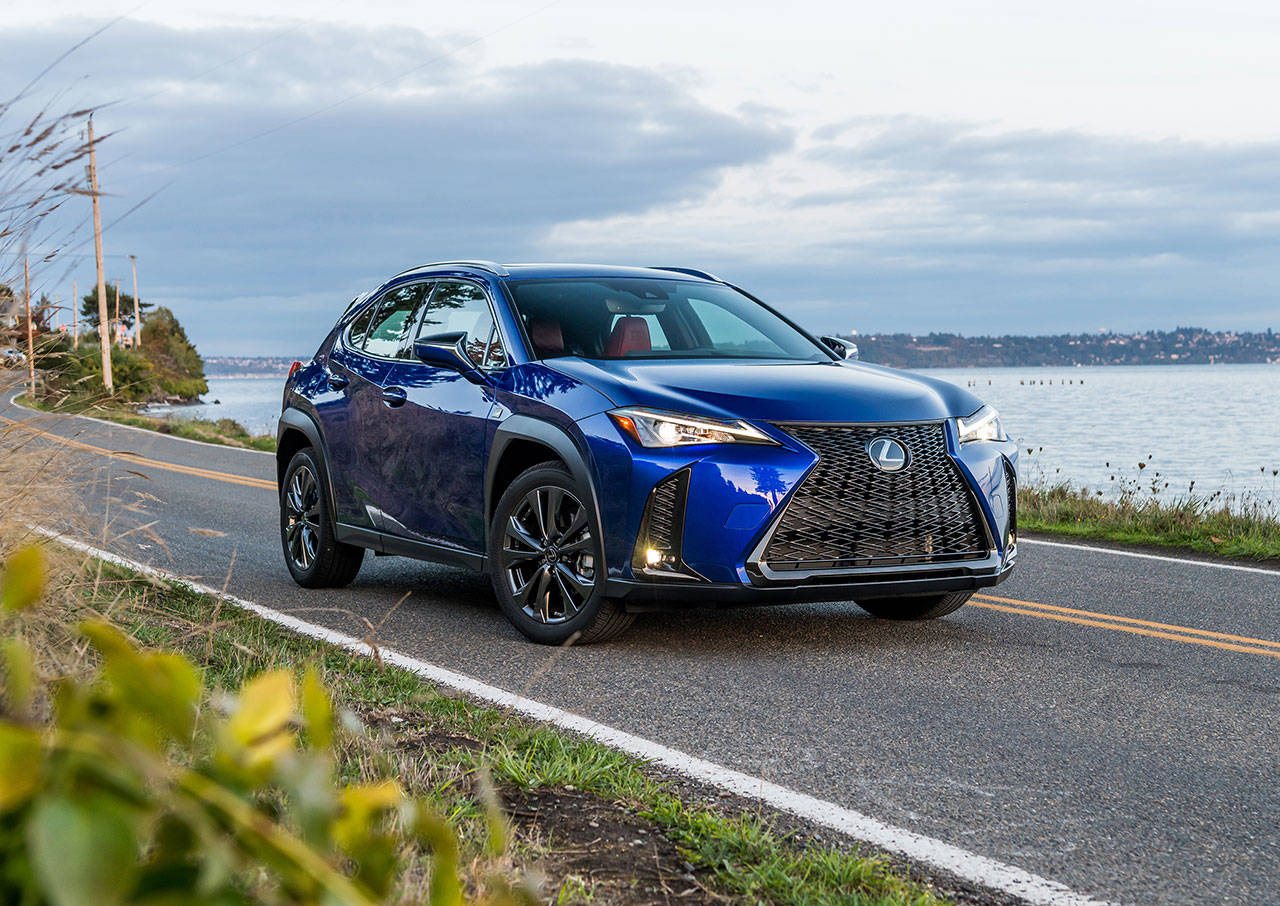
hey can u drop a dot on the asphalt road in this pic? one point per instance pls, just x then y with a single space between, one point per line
1047 725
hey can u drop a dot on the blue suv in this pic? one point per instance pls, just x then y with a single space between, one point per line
604 440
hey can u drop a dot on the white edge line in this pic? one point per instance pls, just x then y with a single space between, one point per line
1275 573
13 401
970 866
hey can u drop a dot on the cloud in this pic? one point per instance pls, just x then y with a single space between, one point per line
917 224
874 223
455 160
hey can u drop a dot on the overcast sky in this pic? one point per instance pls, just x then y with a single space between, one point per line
982 168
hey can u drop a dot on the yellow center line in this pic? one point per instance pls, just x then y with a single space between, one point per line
1106 616
1104 621
136 459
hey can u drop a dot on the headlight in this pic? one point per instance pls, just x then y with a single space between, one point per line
982 425
651 428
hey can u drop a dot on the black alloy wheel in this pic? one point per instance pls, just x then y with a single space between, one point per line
547 561
316 559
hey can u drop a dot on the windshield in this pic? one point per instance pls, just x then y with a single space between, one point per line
638 318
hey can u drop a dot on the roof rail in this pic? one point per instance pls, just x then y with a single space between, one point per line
691 271
491 266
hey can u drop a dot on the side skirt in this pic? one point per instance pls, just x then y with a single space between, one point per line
382 543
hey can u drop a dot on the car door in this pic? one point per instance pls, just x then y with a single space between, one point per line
435 451
354 391
370 433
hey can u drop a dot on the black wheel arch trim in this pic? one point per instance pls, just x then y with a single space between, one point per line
547 434
293 419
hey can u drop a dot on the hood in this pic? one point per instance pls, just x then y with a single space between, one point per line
772 391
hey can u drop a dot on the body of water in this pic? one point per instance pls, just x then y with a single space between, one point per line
1216 425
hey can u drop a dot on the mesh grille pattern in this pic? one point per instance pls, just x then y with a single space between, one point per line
663 503
847 513
1011 488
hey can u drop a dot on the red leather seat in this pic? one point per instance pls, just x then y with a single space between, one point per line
546 336
630 334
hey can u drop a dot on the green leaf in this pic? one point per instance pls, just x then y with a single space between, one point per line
161 685
23 579
317 710
259 724
19 673
21 764
84 852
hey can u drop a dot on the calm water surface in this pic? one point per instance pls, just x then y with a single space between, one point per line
1217 425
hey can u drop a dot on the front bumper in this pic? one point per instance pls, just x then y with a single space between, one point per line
733 498
639 594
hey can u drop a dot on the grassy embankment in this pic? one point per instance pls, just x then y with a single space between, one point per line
584 824
1209 525
225 431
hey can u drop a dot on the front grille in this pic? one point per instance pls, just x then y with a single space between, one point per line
847 513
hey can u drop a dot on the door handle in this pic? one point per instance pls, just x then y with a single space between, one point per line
336 381
394 396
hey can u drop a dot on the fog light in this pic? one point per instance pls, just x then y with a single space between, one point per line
653 556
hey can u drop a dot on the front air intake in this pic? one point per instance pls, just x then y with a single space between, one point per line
658 545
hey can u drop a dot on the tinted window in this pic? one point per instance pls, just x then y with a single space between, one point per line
635 317
393 324
457 307
360 327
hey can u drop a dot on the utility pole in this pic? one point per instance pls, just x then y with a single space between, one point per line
75 317
31 342
137 307
107 383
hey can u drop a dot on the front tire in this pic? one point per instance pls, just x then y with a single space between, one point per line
316 559
546 561
924 607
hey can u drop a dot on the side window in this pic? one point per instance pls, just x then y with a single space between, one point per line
458 307
360 327
393 324
497 356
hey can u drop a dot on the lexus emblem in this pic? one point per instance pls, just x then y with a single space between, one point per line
887 454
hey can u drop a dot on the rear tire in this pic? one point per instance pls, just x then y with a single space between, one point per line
546 561
316 559
924 607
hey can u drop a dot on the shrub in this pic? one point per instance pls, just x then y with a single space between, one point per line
142 791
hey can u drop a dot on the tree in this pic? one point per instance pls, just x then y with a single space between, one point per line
89 309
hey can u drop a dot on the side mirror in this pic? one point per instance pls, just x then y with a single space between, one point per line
445 350
846 349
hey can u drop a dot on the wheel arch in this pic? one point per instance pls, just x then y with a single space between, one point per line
521 442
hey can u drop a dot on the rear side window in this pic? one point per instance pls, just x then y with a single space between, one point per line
360 327
458 307
390 331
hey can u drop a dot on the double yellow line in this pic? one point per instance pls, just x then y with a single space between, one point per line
143 461
1169 631
1094 619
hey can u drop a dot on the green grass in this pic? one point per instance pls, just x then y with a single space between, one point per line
224 431
742 857
1210 525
